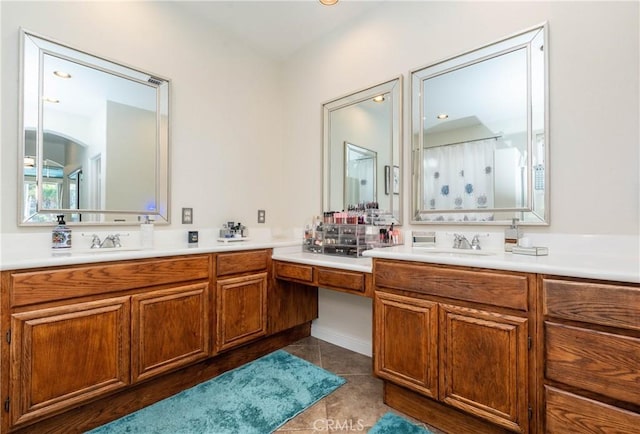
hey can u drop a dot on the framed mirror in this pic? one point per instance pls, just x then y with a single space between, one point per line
480 134
361 137
94 138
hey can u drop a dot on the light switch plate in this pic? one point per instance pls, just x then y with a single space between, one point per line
261 216
187 216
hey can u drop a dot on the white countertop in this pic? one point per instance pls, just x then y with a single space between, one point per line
22 252
586 256
602 266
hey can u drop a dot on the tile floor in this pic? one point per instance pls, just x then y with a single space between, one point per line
354 407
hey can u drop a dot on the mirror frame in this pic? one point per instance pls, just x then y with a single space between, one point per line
394 88
161 214
519 40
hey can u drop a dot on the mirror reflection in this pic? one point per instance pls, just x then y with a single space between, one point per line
479 134
360 166
362 136
95 138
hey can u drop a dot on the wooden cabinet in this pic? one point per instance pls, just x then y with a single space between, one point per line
241 310
81 332
170 328
241 297
483 364
406 341
459 337
592 356
349 281
64 356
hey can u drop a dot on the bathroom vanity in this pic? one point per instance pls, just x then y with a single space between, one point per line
468 343
88 343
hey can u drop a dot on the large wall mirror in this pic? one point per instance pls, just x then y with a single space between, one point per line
480 134
361 146
94 138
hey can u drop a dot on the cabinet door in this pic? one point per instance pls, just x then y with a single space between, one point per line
405 344
483 365
241 310
170 329
64 356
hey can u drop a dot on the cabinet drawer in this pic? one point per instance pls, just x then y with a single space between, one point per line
605 304
592 360
341 279
242 262
569 413
481 286
70 282
297 272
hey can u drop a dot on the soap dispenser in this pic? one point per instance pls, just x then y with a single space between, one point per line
61 234
511 236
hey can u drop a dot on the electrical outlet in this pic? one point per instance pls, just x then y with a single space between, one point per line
187 216
261 216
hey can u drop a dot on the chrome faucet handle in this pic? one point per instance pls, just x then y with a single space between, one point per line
95 240
116 239
475 243
460 242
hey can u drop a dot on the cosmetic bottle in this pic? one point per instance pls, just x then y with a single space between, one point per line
61 234
146 234
511 236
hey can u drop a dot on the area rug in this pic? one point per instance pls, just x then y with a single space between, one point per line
393 424
255 398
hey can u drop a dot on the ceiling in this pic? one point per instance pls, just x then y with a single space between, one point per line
278 28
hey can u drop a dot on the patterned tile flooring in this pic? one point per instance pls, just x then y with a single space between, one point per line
354 407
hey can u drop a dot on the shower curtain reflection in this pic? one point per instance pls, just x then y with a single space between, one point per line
460 176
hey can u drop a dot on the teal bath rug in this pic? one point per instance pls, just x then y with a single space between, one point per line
393 424
255 398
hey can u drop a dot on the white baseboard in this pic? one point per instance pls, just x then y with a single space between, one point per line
352 343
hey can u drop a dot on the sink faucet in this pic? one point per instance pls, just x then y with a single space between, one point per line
110 241
461 242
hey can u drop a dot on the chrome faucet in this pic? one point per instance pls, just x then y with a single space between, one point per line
109 242
461 242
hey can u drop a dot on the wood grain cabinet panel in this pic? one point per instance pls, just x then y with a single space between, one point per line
594 303
341 280
572 414
31 287
591 335
406 341
494 288
68 355
242 262
170 329
241 308
593 360
483 364
294 272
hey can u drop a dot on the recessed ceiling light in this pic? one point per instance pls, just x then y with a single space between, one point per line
51 100
61 74
378 98
442 116
328 2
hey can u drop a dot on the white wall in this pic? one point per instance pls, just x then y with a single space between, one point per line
594 55
226 113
